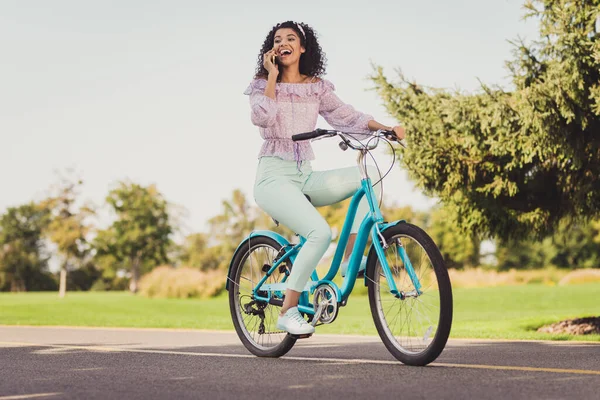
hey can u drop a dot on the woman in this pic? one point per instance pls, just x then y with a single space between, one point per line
286 97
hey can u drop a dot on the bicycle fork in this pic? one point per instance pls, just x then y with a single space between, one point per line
380 247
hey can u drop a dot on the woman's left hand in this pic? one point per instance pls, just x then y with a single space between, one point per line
399 131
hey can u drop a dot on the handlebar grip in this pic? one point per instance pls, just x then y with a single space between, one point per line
307 135
391 135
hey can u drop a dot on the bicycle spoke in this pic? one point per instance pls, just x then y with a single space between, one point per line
410 320
391 308
250 273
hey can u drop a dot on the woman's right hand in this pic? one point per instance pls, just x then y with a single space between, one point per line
268 62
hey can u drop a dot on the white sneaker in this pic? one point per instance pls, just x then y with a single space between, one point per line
344 266
293 322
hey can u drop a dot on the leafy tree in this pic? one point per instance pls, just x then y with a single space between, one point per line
459 249
512 163
196 253
595 225
393 212
228 229
573 245
193 249
23 264
139 238
525 254
68 229
237 220
213 250
84 277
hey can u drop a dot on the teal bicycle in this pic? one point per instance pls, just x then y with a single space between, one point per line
409 290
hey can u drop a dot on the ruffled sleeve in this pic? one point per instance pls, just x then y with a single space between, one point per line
263 108
339 115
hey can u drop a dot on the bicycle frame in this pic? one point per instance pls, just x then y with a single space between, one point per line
372 225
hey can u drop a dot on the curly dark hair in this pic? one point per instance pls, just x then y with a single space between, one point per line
312 61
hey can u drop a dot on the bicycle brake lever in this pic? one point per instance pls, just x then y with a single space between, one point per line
391 135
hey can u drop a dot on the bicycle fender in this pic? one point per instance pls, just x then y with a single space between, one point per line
382 228
270 234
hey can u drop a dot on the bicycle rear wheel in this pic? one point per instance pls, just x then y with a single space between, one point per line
256 321
414 329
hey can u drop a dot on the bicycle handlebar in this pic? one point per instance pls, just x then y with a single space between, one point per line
312 135
346 143
324 132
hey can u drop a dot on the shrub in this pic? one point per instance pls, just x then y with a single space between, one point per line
99 285
479 277
581 276
182 282
105 284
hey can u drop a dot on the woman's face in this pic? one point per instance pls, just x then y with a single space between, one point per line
287 46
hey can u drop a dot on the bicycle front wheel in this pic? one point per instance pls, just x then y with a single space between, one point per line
414 327
255 321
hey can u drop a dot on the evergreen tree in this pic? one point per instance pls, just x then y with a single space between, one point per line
514 163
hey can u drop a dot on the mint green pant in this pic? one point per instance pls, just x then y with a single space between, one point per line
279 190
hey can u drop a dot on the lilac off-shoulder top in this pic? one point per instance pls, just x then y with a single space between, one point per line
295 110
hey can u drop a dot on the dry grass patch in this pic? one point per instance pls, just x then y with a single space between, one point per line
182 282
581 276
479 277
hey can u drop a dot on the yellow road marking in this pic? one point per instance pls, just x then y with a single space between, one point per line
28 396
515 368
314 359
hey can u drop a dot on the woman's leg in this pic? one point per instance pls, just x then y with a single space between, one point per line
333 186
285 202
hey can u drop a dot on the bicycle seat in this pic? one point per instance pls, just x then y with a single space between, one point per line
307 198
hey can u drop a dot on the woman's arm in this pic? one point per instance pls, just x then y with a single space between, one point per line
270 89
273 71
263 109
344 117
263 103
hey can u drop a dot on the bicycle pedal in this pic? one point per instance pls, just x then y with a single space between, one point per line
305 336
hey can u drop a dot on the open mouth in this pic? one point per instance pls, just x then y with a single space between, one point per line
285 53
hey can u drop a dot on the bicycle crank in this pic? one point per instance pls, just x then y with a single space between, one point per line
326 303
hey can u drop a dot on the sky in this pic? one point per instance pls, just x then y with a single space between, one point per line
152 91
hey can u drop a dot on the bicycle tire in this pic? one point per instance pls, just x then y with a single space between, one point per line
247 340
444 321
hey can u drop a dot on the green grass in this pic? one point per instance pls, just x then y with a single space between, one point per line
510 312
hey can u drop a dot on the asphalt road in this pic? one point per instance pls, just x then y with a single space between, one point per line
57 363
